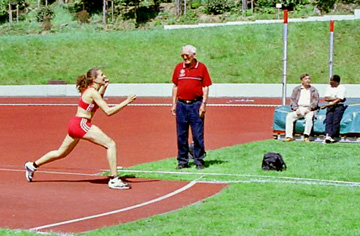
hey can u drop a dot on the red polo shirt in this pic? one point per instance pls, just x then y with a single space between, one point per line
191 80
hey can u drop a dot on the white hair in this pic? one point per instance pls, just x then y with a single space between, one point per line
189 48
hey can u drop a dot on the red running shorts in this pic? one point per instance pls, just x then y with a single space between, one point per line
78 127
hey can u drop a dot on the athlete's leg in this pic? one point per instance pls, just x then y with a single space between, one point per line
66 147
97 136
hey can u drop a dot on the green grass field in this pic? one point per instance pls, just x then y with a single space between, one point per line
318 194
233 54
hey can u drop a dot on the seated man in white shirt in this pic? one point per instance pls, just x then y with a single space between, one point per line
304 104
335 95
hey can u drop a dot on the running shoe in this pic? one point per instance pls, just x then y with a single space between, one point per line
116 183
29 171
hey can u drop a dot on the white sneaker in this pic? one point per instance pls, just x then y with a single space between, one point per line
116 183
29 171
328 139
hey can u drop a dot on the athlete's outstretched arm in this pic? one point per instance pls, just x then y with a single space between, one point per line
114 109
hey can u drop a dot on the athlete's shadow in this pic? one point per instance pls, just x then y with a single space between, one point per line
102 180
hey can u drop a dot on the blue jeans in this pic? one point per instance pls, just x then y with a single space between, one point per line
187 115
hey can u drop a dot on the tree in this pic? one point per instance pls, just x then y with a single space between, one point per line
180 7
9 7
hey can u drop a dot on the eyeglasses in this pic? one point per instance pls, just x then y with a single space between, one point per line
186 55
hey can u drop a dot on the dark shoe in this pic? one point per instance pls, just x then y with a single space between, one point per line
200 167
181 166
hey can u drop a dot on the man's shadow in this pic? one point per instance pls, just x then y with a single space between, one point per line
209 163
214 162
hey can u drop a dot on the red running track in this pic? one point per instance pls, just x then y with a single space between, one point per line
68 190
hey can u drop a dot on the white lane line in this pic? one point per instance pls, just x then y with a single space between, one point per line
189 185
244 175
203 174
51 172
349 184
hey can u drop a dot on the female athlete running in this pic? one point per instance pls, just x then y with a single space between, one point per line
92 87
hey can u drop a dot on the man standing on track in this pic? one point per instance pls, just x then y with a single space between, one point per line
191 81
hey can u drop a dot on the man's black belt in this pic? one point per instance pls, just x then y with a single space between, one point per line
190 101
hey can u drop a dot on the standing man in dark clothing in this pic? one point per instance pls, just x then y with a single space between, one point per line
189 96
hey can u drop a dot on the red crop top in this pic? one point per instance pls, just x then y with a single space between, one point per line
88 107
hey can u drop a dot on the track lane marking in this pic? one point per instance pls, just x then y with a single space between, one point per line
252 178
189 185
203 174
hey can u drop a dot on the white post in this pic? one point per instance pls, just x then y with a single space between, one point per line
284 58
331 48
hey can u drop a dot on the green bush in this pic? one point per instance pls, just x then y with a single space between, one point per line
264 3
218 6
45 13
195 4
288 4
190 18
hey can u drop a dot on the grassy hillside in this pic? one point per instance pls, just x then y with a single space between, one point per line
234 54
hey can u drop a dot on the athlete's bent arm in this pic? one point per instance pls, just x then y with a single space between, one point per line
111 110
